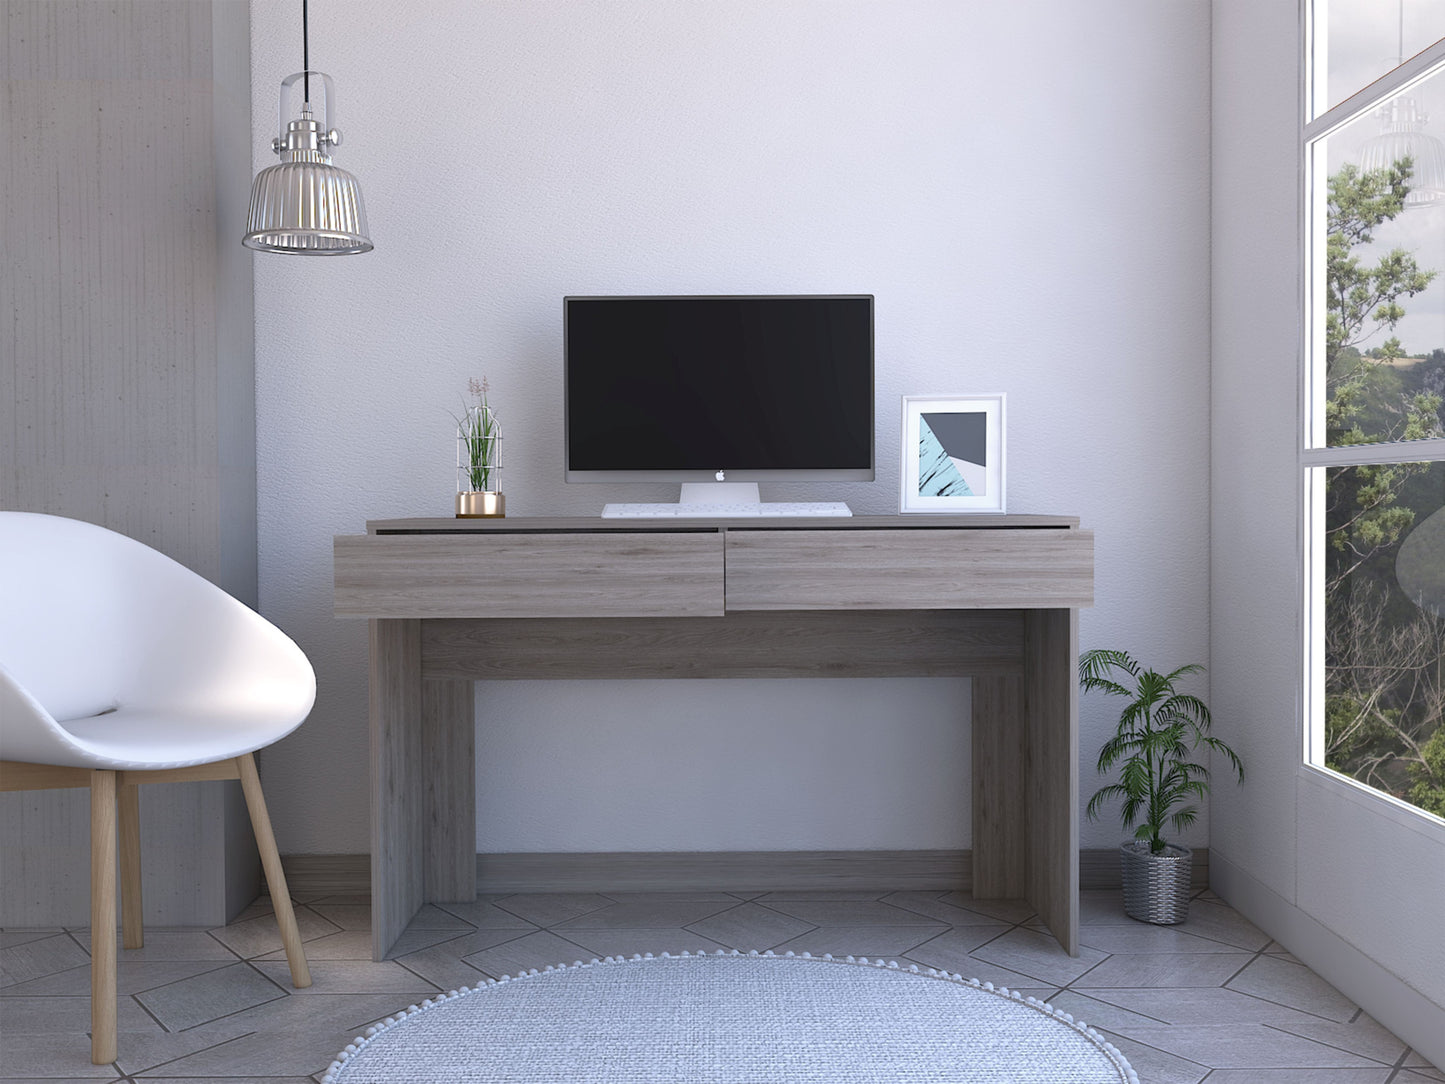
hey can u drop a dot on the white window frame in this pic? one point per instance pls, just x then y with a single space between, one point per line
1315 455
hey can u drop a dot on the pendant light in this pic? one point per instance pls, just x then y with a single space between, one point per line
305 206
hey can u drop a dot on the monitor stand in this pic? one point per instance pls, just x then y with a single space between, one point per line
719 493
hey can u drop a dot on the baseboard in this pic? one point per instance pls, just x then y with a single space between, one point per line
757 871
1394 1003
310 875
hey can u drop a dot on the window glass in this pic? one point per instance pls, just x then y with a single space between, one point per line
1383 604
1380 311
1357 41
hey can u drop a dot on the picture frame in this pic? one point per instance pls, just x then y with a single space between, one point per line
952 454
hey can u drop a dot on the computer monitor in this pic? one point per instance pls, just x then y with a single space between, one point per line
697 389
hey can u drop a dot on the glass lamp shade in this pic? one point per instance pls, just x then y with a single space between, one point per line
307 208
1401 136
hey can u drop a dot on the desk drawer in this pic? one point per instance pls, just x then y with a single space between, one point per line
909 568
615 574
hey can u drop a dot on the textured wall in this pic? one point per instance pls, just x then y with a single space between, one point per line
126 366
1025 189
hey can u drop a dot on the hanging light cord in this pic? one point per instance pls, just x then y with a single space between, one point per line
305 57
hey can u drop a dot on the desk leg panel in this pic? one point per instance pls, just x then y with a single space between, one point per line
1051 784
397 786
449 758
1000 813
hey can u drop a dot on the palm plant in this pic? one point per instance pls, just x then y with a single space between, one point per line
1160 730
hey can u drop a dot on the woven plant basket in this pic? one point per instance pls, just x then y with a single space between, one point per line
1156 886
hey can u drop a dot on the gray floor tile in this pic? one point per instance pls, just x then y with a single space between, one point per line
440 966
1245 1046
1417 1064
1294 985
932 905
230 1079
52 1054
886 941
1103 1014
749 926
1360 1036
258 936
999 910
1142 937
1163 969
131 977
1105 907
169 945
37 959
1413 1076
1157 1066
350 977
20 936
549 908
1220 922
348 916
34 1015
292 1037
649 913
198 1000
1039 955
346 945
601 943
1377 1075
534 950
850 913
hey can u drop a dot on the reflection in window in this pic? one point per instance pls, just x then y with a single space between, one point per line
1383 584
1383 305
1357 41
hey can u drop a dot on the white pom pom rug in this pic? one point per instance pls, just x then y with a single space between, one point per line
731 1018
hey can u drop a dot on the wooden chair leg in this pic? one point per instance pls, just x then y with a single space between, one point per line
128 804
102 916
275 878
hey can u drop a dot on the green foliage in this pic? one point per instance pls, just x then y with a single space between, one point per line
1366 400
480 435
1429 775
1160 730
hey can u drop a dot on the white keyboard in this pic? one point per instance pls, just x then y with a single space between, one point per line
780 509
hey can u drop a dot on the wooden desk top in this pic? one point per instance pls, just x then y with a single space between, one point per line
676 524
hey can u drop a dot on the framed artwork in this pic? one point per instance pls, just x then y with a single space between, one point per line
953 453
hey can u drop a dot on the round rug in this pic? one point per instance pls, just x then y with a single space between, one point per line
731 1018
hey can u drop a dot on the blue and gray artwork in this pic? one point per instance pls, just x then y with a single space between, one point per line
952 455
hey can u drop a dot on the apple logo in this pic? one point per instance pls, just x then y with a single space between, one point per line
720 476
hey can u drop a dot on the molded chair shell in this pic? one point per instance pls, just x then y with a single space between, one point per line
119 667
112 655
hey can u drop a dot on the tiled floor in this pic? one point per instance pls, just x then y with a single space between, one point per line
1213 999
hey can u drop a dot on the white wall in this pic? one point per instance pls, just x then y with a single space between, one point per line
1024 187
1347 883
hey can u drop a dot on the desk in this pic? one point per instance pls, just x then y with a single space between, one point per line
994 598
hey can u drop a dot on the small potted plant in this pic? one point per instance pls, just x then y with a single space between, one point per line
479 458
1160 731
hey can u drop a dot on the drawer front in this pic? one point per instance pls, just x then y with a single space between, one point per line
909 568
615 574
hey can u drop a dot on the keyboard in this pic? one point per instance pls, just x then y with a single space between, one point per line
753 509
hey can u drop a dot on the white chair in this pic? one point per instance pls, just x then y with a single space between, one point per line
118 667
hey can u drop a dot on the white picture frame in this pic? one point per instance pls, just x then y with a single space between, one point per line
953 454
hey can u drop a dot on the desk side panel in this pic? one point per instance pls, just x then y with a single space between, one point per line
903 568
529 575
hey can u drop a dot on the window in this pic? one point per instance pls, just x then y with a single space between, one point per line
1373 447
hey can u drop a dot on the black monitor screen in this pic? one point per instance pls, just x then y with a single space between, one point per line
760 387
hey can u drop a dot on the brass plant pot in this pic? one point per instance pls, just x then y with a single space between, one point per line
481 504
